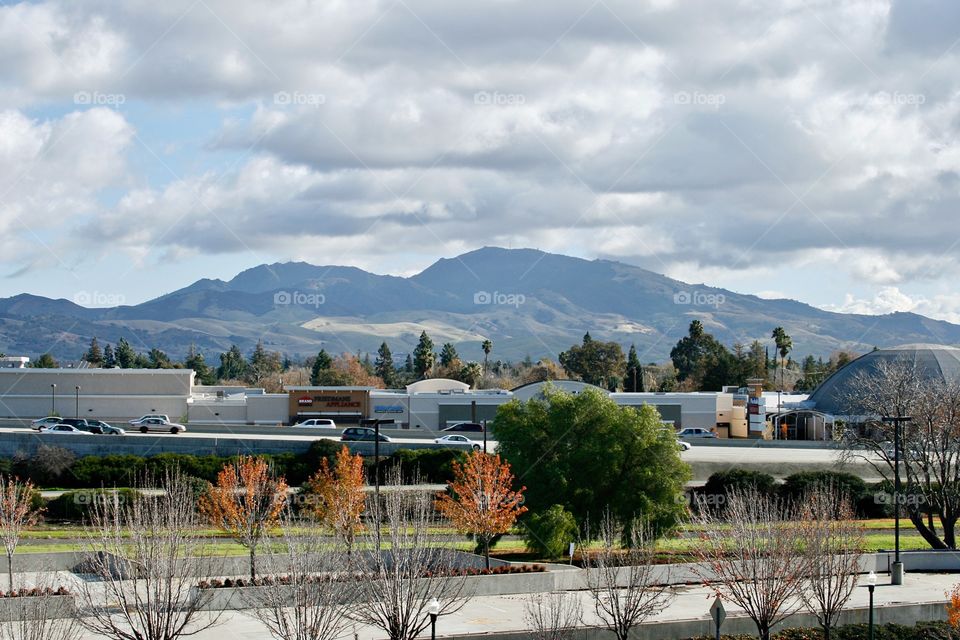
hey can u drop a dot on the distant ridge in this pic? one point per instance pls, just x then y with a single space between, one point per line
526 301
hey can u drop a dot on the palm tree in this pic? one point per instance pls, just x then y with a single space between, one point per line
784 345
487 347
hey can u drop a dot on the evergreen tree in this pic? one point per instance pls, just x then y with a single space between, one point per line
384 366
263 364
94 355
368 365
448 354
702 359
109 360
320 364
408 365
423 356
487 347
157 359
232 364
141 361
194 360
125 355
633 381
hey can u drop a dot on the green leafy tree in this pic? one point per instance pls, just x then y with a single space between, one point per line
633 380
383 366
594 361
94 355
320 364
141 361
109 360
46 361
701 359
125 355
195 361
471 373
585 452
550 532
423 356
233 366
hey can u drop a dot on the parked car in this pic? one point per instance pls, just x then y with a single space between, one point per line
362 434
106 428
317 423
158 424
151 416
464 427
458 441
49 421
684 446
695 432
67 429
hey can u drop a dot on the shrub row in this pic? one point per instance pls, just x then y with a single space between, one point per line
58 467
264 581
34 592
868 501
889 631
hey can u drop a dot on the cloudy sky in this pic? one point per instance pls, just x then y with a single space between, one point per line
802 148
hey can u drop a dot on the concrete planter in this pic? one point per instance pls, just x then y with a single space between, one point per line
37 607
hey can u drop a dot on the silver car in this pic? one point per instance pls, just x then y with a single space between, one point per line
159 424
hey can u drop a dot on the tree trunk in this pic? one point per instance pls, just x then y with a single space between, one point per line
253 563
826 632
10 570
930 537
486 552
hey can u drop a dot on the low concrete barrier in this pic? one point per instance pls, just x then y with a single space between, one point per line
37 608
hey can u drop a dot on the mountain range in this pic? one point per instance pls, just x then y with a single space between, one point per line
526 301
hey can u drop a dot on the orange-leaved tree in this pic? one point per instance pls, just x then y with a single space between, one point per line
246 502
16 512
481 500
338 495
953 606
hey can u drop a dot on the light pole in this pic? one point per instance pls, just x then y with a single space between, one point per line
433 608
78 402
53 399
871 585
376 422
896 571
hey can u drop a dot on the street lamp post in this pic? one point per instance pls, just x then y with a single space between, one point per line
871 585
433 608
375 423
896 570
78 402
53 399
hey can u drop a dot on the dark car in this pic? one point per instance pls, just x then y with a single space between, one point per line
464 427
106 428
81 424
362 434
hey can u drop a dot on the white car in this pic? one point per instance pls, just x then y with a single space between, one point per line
65 429
151 416
317 423
695 432
40 423
684 446
458 441
157 424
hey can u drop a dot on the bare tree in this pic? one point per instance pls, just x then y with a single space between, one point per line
406 567
306 598
622 581
752 556
39 616
552 616
929 461
146 554
16 513
833 544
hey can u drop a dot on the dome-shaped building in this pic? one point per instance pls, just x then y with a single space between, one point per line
932 361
